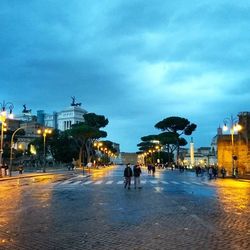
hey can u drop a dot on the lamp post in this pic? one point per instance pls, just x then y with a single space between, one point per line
11 148
233 127
44 133
4 115
98 145
145 158
158 148
150 152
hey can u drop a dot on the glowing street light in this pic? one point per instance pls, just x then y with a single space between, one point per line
44 132
158 148
98 144
232 125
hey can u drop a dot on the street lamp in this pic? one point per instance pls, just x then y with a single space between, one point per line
158 148
44 132
4 115
150 153
98 144
11 147
233 127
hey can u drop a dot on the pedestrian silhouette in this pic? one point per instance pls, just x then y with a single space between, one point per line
137 173
127 176
223 172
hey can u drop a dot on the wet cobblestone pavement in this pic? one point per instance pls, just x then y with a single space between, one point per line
172 211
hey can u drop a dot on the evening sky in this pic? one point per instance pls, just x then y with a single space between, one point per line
136 62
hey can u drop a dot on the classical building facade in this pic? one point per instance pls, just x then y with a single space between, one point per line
62 120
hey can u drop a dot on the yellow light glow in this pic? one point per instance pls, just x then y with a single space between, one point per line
4 113
239 127
39 131
32 149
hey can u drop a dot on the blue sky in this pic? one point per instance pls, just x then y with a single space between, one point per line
136 62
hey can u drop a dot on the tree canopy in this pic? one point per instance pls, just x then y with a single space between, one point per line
95 121
172 129
175 124
86 132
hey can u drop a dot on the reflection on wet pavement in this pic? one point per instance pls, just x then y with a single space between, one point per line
36 215
234 195
102 173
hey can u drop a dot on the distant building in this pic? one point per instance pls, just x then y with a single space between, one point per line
204 150
117 158
116 146
30 126
214 143
62 120
202 156
131 158
30 129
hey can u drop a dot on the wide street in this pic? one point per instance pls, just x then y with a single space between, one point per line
173 210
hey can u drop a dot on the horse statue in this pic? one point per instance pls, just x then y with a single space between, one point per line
74 104
73 101
25 110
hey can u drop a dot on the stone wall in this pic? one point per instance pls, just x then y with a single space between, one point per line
241 150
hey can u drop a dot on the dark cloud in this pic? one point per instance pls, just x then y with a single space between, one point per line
136 62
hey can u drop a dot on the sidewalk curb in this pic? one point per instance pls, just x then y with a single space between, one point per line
35 175
25 176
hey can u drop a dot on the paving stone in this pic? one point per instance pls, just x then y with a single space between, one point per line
43 216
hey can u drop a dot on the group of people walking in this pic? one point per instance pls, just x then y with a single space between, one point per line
129 173
212 172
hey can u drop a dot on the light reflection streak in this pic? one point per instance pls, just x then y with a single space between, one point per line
21 196
103 172
234 195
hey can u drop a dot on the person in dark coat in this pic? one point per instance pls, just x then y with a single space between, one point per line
223 172
215 172
137 173
153 170
149 169
127 176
